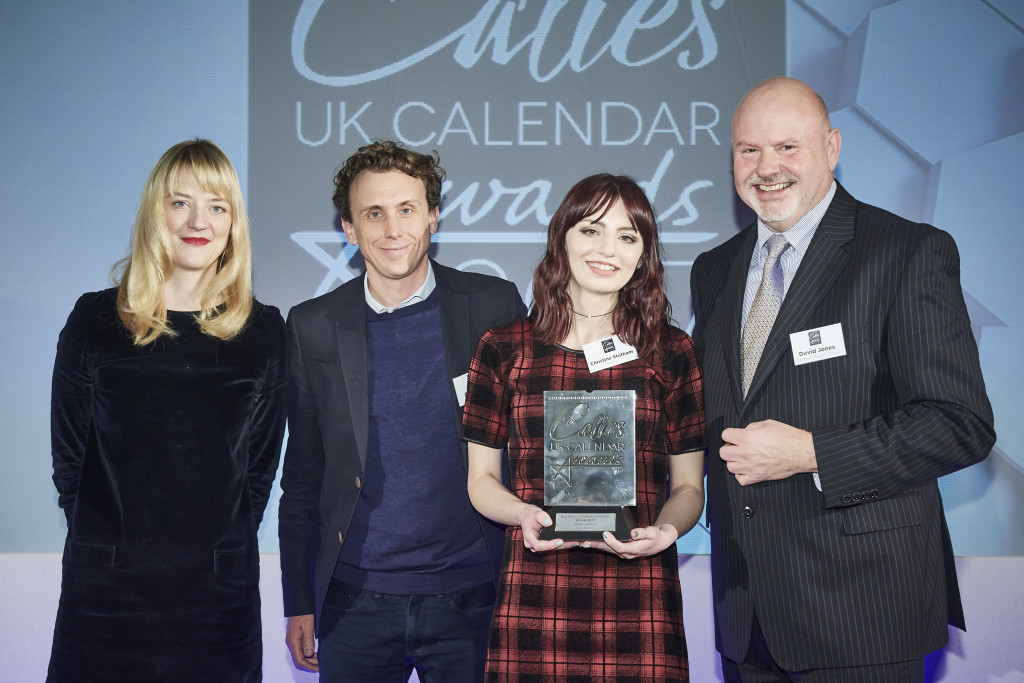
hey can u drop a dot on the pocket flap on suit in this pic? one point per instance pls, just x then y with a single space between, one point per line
91 555
886 513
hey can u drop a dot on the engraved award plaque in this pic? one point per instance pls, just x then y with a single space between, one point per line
589 464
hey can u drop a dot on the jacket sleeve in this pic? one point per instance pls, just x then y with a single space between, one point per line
301 480
943 422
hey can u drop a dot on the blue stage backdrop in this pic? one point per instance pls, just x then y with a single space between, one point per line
520 99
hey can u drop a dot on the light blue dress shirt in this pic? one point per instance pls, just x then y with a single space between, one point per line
798 236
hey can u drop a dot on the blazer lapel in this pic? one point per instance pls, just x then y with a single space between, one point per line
455 327
733 312
454 309
824 261
350 331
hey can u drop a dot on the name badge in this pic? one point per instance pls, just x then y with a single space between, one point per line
461 383
607 353
817 344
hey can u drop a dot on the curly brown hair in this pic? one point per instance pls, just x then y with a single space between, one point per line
384 155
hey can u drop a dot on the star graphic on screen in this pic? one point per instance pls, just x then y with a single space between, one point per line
337 265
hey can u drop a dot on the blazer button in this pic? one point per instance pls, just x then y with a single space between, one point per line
341 539
359 483
748 512
846 498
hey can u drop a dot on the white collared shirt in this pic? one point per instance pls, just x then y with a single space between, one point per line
419 295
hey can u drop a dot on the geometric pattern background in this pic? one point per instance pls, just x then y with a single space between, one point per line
930 101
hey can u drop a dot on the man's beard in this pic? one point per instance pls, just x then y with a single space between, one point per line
769 211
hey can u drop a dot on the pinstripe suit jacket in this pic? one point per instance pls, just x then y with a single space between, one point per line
861 572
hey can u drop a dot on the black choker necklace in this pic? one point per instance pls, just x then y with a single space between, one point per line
599 315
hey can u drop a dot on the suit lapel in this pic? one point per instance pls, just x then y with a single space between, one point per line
454 309
349 320
455 328
825 260
733 313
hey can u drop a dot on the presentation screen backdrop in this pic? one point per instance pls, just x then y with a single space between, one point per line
520 99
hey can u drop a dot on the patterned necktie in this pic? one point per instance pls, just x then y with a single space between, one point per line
762 311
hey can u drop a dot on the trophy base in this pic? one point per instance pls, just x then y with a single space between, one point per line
588 523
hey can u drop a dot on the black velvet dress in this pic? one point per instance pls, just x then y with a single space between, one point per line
163 457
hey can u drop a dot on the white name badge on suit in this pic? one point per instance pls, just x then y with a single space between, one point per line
461 384
820 343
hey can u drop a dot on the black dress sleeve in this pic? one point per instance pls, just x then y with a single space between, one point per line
71 400
267 420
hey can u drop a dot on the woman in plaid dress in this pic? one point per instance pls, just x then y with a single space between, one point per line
602 610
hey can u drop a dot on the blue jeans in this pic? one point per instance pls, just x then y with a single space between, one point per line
380 638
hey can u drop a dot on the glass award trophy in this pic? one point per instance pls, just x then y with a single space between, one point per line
589 464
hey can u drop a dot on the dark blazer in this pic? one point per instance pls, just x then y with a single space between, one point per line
861 572
328 419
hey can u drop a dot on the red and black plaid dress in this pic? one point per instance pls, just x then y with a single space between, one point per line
575 614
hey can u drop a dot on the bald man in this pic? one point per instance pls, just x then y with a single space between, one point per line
841 380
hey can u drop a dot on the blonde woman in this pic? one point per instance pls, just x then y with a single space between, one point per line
167 417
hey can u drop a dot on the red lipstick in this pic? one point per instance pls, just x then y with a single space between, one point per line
195 241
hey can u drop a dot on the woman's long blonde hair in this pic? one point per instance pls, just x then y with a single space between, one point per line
227 302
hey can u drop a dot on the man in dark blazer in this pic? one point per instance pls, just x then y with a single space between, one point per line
831 414
382 555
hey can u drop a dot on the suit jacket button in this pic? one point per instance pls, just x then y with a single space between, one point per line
748 512
341 539
359 483
846 498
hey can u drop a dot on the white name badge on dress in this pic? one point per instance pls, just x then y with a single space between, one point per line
817 344
461 383
606 353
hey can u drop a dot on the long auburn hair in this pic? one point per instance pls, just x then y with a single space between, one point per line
227 302
642 312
